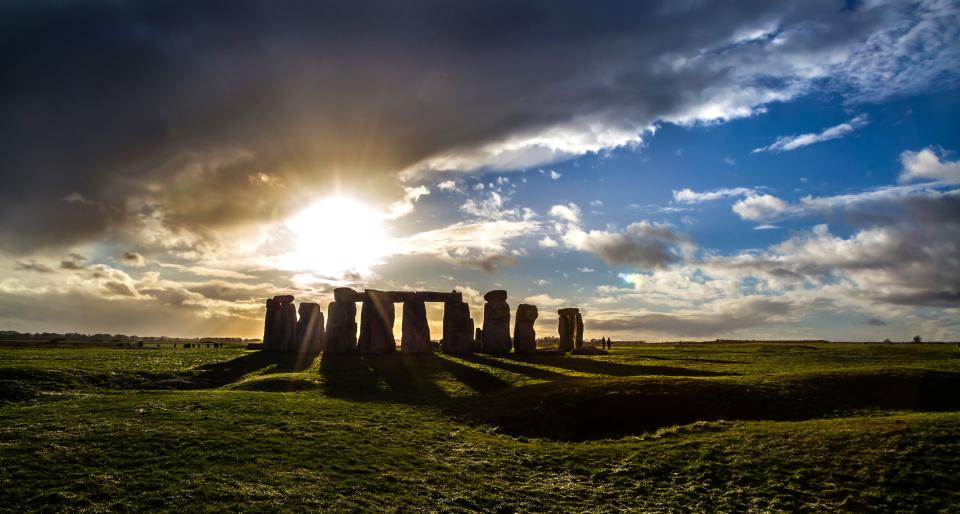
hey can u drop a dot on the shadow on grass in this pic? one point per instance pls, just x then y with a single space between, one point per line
221 374
514 365
582 409
398 377
686 359
614 369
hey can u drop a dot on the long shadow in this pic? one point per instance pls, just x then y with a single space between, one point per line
471 377
685 359
616 369
530 371
219 374
398 377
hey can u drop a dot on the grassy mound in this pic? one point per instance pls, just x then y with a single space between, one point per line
588 409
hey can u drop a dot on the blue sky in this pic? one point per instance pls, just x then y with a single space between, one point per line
677 171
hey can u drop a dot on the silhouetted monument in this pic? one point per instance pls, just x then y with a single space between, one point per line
570 326
282 331
496 323
524 335
578 337
341 336
457 328
280 324
415 331
310 331
377 315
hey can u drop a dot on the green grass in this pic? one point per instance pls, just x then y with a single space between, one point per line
727 427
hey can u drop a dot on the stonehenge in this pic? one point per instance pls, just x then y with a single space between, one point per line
284 332
496 323
309 333
415 331
280 324
570 327
458 332
377 315
341 336
524 336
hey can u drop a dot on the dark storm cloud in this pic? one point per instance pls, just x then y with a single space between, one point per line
32 265
215 113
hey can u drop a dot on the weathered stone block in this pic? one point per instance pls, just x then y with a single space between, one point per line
496 325
377 315
524 335
497 295
310 330
458 332
341 333
567 327
279 327
415 331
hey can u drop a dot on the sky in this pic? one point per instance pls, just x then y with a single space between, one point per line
677 170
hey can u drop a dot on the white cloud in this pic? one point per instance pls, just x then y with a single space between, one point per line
447 185
760 207
404 206
569 212
689 196
492 207
548 242
544 300
555 175
480 243
926 164
788 143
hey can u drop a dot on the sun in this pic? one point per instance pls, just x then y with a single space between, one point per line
337 235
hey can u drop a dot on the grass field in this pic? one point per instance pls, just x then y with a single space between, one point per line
694 427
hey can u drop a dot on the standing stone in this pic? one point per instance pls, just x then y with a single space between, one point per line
287 327
415 331
567 326
477 345
524 335
578 336
496 323
341 335
458 335
269 321
280 324
376 323
309 328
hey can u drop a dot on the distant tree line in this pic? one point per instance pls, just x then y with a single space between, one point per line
54 337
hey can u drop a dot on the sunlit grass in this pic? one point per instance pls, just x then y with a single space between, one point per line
79 429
